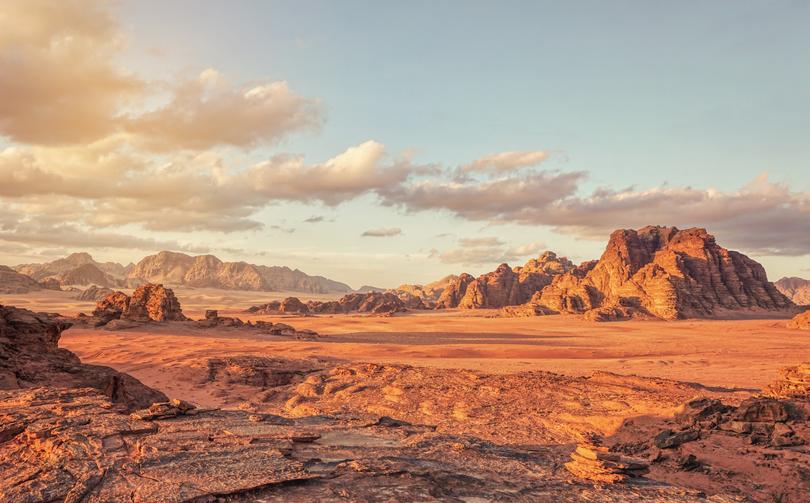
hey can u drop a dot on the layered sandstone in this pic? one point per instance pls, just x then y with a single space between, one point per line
30 357
667 272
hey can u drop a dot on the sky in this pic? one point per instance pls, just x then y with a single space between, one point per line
396 142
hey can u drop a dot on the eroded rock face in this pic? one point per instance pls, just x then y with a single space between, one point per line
30 356
370 302
292 305
667 272
504 286
800 322
147 303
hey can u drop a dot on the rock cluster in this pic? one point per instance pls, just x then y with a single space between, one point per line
30 357
666 272
504 286
596 463
212 320
801 321
163 410
371 302
763 420
147 303
793 382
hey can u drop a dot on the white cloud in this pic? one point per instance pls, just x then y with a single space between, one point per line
382 233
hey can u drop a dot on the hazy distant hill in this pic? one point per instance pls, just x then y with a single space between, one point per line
179 269
209 271
796 289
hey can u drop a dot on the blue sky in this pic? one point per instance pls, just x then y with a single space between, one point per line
637 95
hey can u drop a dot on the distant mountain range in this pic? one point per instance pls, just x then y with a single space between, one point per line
796 289
179 269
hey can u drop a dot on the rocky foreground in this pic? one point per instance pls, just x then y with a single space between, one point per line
316 430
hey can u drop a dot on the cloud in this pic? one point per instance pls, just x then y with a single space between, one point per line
381 233
486 251
66 235
357 171
108 184
314 219
286 230
208 111
58 82
506 161
490 199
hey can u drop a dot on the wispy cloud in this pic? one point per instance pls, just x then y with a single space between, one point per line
381 233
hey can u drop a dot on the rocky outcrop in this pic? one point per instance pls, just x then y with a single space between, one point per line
30 357
793 382
94 294
371 302
207 271
795 289
51 284
504 286
12 281
454 291
667 272
800 322
147 303
429 293
596 463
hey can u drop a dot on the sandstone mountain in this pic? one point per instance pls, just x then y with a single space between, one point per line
210 272
795 289
504 286
666 272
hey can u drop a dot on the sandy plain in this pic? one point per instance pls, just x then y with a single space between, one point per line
741 354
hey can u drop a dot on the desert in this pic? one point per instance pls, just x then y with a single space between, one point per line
393 252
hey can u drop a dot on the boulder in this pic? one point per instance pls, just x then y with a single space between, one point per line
292 305
154 303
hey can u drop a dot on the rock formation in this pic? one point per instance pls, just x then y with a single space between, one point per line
793 382
94 294
371 302
801 321
12 281
795 289
30 357
429 293
504 286
667 272
596 463
208 271
147 303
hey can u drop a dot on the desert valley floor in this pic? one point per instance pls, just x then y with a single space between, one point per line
392 396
